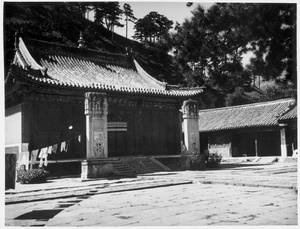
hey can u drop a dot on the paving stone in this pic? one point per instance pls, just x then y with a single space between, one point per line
191 204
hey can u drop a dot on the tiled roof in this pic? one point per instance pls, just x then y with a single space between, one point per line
244 116
290 114
60 65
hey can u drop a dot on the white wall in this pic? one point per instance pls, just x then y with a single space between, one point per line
13 125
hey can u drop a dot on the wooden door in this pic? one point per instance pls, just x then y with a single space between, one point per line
117 143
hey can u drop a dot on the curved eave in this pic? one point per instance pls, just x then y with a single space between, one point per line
146 76
111 88
25 57
108 88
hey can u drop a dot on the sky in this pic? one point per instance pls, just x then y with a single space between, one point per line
175 11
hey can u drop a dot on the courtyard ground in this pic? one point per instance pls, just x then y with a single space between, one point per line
260 193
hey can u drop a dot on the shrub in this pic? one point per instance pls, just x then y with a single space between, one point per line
32 176
214 160
197 162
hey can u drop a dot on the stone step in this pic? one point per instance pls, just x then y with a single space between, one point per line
137 165
123 168
149 164
145 165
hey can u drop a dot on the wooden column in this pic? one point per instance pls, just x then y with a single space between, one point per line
283 140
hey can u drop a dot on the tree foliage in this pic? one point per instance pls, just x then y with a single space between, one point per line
152 27
129 16
108 14
210 46
79 7
275 92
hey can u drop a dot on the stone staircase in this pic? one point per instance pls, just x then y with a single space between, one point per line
150 165
123 168
138 165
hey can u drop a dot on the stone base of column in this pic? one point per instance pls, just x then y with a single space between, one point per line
94 168
283 150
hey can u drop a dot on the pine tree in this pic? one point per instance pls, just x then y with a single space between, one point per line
213 42
152 27
129 16
108 14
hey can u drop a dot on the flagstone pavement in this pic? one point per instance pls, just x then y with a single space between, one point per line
244 194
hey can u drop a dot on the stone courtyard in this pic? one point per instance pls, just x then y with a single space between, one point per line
235 194
185 205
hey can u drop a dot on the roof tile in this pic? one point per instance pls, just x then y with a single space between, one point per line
250 115
73 67
290 114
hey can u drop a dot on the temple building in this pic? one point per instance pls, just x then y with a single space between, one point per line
83 111
54 92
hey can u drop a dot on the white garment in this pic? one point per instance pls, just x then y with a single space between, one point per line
43 155
54 148
43 152
49 151
62 146
24 159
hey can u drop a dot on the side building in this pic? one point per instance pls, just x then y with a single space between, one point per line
259 129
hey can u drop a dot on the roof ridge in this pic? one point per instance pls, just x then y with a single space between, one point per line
258 104
76 48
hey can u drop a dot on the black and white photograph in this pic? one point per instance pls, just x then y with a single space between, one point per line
150 113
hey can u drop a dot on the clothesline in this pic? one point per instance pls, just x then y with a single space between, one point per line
43 153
